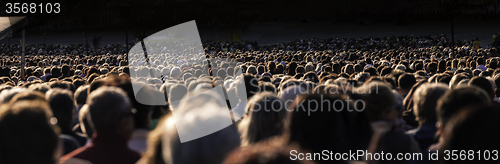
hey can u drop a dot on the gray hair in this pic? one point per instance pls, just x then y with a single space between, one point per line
106 105
199 112
425 100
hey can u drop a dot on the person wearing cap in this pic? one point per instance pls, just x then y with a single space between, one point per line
112 124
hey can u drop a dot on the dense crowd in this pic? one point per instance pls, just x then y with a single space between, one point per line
406 94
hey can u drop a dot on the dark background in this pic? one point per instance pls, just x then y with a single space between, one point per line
144 17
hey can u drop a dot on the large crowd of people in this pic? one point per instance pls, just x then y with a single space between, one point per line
405 94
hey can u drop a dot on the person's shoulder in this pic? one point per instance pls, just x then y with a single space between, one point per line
72 155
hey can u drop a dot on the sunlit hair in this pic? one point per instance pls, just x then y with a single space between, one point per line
84 121
6 95
425 100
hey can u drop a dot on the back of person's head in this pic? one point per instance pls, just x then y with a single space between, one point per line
358 68
309 67
444 78
432 67
349 69
425 100
81 95
266 153
473 64
267 87
261 69
204 110
303 117
96 84
108 106
473 129
300 69
386 71
441 66
291 68
55 71
91 78
381 103
7 95
63 107
290 94
485 84
252 70
59 84
175 72
265 118
406 81
27 133
372 71
222 73
480 61
176 93
311 76
141 96
78 82
42 88
476 72
28 96
456 79
246 86
453 100
65 69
